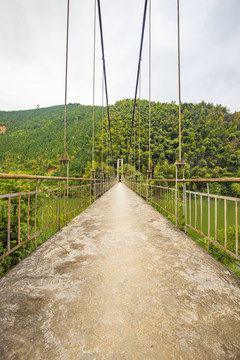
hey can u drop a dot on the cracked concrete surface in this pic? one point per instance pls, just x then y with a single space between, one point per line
131 287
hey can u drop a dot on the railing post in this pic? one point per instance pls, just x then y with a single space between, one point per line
19 219
236 226
60 195
28 214
209 218
81 200
178 164
149 186
102 186
64 161
9 225
185 206
90 192
225 223
176 196
140 184
35 215
93 184
67 187
118 169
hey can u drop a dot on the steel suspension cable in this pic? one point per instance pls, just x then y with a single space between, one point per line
105 77
102 118
139 138
138 71
150 70
107 146
66 81
134 148
94 62
130 162
179 84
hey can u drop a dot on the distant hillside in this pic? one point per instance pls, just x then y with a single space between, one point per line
210 138
32 141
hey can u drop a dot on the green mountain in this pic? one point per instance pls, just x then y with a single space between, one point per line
210 138
33 140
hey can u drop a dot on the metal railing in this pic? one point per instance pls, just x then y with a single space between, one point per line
216 218
212 216
39 209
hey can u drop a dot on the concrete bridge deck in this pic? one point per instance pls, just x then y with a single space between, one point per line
129 286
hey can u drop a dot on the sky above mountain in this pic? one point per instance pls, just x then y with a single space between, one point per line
33 42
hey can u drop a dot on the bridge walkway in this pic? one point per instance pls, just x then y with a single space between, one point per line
119 282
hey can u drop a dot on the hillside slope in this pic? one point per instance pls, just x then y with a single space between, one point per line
210 138
33 139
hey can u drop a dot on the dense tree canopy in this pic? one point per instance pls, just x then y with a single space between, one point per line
33 140
210 138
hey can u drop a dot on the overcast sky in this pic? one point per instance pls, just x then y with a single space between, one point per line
32 51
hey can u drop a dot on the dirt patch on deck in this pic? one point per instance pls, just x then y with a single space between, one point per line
71 266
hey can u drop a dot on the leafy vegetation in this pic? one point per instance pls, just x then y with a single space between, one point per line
210 138
33 140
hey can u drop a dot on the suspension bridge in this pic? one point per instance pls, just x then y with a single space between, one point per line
116 279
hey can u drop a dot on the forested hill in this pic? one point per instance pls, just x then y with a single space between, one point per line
33 139
210 137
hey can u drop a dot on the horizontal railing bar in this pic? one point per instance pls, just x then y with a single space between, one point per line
42 177
37 192
163 187
169 212
78 186
222 197
45 177
210 180
190 180
26 241
27 193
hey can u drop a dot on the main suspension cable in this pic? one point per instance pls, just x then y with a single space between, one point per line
138 72
179 84
102 118
134 148
94 61
66 80
105 77
150 69
139 134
